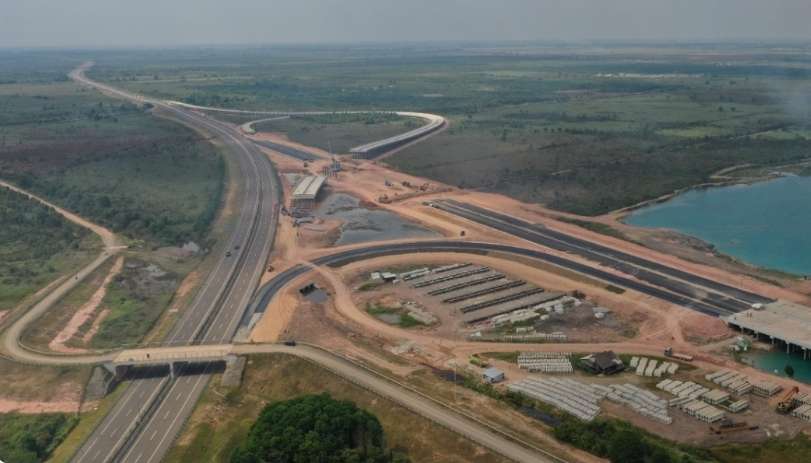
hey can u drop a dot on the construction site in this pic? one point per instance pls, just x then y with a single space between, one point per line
464 300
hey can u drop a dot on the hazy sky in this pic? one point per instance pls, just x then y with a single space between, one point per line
185 22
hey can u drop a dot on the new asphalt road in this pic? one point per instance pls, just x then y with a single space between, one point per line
150 408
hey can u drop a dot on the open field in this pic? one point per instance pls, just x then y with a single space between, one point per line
337 133
575 129
223 417
32 389
774 451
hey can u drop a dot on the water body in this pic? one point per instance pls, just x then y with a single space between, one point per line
775 362
362 224
767 224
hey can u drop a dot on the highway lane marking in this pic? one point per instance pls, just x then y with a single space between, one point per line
118 411
606 252
172 424
582 249
146 404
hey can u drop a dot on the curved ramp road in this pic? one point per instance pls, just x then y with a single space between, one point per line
433 122
112 245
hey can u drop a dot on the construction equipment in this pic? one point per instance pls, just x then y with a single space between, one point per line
727 426
384 199
787 401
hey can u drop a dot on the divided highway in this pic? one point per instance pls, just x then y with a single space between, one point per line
717 298
272 287
150 408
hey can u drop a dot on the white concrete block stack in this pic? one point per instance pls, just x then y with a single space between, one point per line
639 400
652 368
572 397
545 362
682 389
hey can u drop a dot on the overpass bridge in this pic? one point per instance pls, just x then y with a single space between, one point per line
179 359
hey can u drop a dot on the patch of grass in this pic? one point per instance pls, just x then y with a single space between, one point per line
340 132
223 417
404 319
136 299
615 289
39 334
40 383
85 426
31 438
370 285
511 357
598 227
794 450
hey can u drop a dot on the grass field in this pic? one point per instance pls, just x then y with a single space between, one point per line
338 133
575 129
85 426
38 335
39 383
223 417
773 451
135 299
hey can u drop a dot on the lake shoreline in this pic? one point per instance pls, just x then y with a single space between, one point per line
760 229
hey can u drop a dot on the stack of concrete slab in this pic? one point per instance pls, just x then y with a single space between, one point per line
572 397
738 406
545 362
652 368
733 381
740 384
639 400
702 411
802 412
682 389
765 388
716 397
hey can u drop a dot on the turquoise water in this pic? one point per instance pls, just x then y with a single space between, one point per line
767 224
769 361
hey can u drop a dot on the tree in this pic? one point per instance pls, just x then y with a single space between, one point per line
789 371
627 447
315 428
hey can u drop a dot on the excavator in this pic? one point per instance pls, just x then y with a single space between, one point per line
787 401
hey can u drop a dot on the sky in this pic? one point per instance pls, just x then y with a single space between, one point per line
158 23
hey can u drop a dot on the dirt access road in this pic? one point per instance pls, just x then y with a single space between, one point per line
10 339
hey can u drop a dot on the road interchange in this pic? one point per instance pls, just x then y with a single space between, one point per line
143 424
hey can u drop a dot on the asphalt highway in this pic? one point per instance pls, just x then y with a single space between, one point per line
724 298
162 407
266 293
